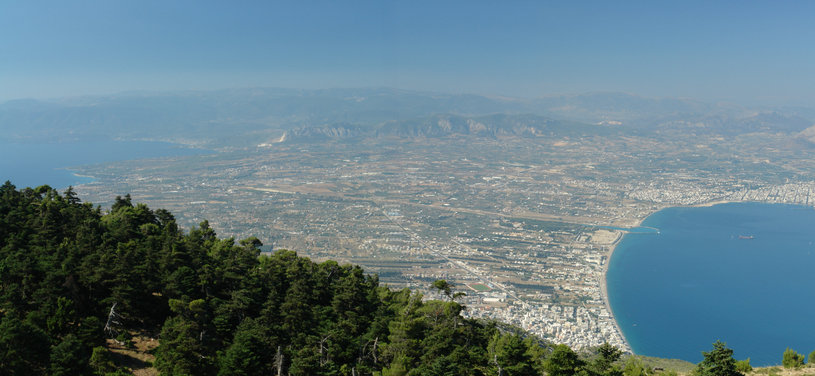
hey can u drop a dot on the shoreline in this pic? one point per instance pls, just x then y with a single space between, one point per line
82 176
713 203
719 202
604 284
613 246
740 208
604 290
89 178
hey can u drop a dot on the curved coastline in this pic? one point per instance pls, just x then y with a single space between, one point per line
610 253
749 210
604 288
604 278
713 203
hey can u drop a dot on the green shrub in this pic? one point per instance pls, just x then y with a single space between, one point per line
792 359
101 361
126 339
744 366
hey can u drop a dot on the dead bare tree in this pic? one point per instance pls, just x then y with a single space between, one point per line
373 349
365 353
113 320
323 360
495 360
278 362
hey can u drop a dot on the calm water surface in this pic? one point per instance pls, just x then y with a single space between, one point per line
35 164
697 280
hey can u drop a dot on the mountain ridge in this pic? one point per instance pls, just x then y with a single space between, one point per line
239 117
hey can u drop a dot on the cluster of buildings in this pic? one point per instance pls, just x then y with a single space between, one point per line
525 221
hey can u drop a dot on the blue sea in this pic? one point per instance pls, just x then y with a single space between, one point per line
741 273
35 164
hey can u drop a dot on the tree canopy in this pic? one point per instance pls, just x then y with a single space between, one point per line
73 276
792 359
717 362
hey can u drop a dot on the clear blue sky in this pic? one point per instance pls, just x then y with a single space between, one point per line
735 50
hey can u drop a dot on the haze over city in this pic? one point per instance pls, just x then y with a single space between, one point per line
407 187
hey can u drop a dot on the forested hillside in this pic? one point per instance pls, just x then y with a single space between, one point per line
74 280
72 276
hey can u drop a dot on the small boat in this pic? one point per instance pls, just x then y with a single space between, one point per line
747 237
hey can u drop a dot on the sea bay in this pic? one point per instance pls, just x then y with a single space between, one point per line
740 272
31 164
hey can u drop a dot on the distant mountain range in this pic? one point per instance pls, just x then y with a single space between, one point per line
243 117
444 125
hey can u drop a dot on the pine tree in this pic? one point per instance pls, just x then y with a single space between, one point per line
563 362
717 362
792 359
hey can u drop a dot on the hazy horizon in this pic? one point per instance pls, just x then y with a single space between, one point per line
752 53
174 91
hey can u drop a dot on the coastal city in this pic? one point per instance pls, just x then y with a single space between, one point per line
525 232
402 188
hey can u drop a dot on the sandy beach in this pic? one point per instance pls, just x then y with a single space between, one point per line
711 203
604 286
611 248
